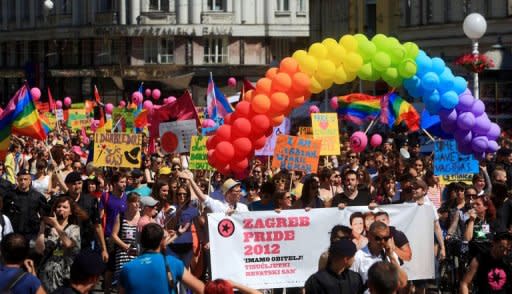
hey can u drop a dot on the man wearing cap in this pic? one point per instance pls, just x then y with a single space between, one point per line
232 192
149 211
24 206
84 275
137 186
337 277
92 226
490 272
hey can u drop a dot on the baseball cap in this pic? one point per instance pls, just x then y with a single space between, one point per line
228 185
342 248
388 141
23 172
136 173
73 177
86 264
165 170
148 201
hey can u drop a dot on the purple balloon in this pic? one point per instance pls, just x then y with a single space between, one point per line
463 137
494 132
464 149
478 108
482 125
479 144
479 155
448 115
448 127
492 146
466 121
465 102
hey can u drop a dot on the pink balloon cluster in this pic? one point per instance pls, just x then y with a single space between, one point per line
67 101
109 107
36 93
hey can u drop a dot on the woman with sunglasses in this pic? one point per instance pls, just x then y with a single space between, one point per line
282 201
310 192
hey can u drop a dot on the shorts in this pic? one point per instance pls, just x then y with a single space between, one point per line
111 249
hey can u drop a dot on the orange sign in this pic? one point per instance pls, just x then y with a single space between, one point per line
297 153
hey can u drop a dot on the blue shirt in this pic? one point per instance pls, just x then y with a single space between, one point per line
147 274
28 284
187 215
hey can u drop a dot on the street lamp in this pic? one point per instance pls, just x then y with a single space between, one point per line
474 27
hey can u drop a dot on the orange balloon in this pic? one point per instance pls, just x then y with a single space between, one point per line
281 82
297 101
264 86
260 103
289 66
271 72
248 95
300 81
280 101
277 120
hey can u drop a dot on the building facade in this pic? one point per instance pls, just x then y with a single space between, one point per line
169 44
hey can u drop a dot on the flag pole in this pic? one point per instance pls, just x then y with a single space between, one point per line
428 135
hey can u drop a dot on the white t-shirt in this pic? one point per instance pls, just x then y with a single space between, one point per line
219 206
7 228
41 185
364 259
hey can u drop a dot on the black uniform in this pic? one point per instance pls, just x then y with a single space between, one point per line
24 209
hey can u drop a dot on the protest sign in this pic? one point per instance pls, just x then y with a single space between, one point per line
43 107
448 179
325 128
270 144
117 150
198 154
269 250
59 114
305 132
77 119
296 153
122 120
175 136
449 161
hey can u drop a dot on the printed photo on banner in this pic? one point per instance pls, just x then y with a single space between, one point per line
117 150
175 136
449 161
296 153
325 128
270 145
198 154
275 250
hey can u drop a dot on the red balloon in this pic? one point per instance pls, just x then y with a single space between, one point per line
260 142
228 119
225 170
243 146
224 151
239 166
211 142
212 160
241 128
224 133
260 124
269 132
242 175
243 109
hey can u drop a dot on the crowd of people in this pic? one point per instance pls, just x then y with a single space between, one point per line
66 225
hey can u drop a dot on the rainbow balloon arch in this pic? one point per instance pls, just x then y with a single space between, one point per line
330 62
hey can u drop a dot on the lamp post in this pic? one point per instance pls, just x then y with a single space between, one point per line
474 27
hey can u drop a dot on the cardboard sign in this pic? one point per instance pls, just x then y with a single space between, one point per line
59 114
448 179
270 145
77 119
449 161
296 153
117 150
175 136
122 120
198 154
325 128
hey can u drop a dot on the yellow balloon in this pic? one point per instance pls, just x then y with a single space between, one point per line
318 50
308 65
351 76
353 62
329 42
315 86
326 69
340 76
299 55
349 42
325 83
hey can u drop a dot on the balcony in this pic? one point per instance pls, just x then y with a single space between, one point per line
217 17
157 18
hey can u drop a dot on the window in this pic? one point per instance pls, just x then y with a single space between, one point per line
159 5
67 6
159 50
26 10
301 5
283 5
105 5
215 50
216 5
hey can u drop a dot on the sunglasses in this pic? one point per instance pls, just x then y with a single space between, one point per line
385 239
352 156
471 195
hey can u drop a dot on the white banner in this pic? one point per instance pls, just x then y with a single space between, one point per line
175 136
266 249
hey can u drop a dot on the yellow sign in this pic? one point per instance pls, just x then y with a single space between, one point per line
448 179
117 150
198 154
77 119
325 128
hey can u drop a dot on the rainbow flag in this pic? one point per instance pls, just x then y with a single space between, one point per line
358 107
20 118
396 110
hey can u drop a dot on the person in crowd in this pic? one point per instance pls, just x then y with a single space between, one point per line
338 276
24 206
164 271
336 182
383 278
500 193
162 193
59 241
419 167
352 195
435 189
149 210
216 181
352 162
482 222
5 222
151 174
257 175
137 186
402 247
482 183
326 191
42 181
282 201
281 181
310 192
499 175
85 273
338 232
253 192
489 271
92 186
17 272
504 158
124 232
386 191
365 181
266 202
357 225
220 286
12 162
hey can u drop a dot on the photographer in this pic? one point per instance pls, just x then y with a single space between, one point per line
17 274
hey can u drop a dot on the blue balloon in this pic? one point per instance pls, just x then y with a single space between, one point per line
423 64
416 93
446 80
438 65
449 100
430 81
432 102
459 85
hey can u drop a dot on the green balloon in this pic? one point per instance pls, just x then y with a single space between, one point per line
380 41
411 49
360 37
365 72
397 54
390 73
381 61
407 68
366 49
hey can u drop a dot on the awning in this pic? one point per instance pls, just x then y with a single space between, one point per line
11 73
179 82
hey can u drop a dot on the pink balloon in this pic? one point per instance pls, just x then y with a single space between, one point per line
232 82
156 94
376 140
334 103
208 123
36 93
109 107
137 97
67 101
147 92
58 104
85 140
171 99
358 141
148 105
313 109
122 104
